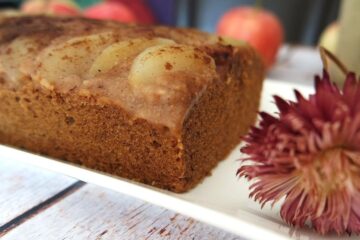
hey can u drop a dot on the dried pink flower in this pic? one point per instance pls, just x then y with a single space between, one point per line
310 156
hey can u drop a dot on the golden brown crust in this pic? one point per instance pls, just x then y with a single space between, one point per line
60 53
95 129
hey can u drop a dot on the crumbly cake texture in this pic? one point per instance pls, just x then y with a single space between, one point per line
174 105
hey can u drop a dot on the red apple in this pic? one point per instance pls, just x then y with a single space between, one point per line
111 11
141 10
56 7
34 7
62 9
260 28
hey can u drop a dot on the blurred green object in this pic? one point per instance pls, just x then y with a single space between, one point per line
349 36
81 3
86 3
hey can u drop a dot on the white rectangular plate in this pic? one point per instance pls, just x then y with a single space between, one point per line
221 199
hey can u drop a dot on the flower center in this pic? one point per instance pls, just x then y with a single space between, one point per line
329 171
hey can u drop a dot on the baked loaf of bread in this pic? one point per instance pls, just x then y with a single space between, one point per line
157 105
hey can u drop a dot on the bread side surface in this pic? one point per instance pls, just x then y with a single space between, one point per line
84 131
223 115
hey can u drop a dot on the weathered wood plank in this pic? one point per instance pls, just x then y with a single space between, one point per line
96 213
22 187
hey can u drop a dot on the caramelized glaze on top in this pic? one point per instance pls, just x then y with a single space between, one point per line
155 73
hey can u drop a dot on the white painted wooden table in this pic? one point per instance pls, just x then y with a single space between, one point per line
37 204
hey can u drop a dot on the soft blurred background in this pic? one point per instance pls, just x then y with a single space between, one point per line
303 20
273 27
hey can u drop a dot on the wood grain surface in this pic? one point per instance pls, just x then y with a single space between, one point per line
23 187
97 213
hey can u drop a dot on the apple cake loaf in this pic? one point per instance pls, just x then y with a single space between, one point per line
153 104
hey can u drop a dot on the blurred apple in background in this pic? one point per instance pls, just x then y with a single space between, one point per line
141 10
260 28
111 11
55 7
329 37
127 11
